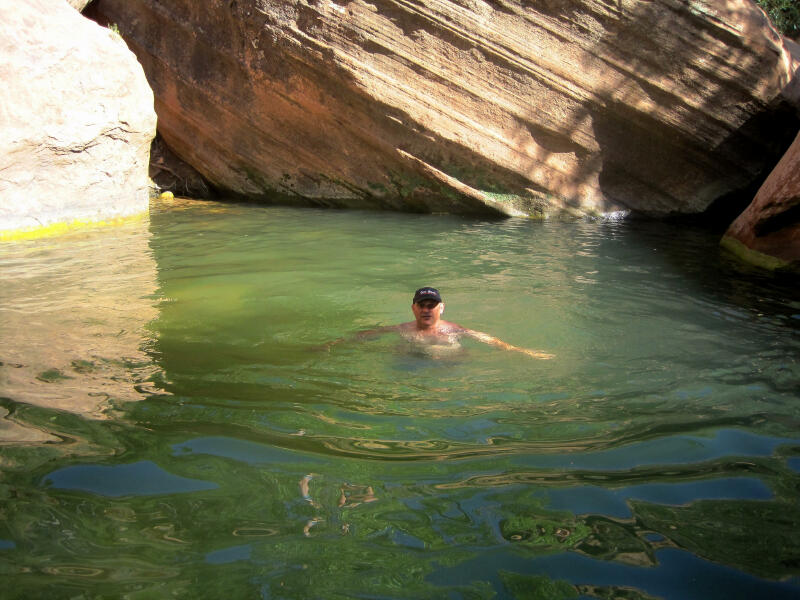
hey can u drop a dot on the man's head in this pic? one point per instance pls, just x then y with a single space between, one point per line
427 307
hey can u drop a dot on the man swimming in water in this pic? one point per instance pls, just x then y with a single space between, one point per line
430 332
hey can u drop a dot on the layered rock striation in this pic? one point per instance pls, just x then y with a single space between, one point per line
469 106
76 119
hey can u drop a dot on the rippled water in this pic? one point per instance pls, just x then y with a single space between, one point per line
174 426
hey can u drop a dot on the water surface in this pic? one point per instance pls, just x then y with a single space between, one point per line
174 426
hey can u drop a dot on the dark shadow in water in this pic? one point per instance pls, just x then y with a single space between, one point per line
693 251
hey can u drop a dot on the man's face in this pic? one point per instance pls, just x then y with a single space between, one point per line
427 312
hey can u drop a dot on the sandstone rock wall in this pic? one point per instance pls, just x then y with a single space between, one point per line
504 106
767 233
76 119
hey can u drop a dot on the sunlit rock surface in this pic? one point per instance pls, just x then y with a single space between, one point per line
76 119
78 4
768 231
467 106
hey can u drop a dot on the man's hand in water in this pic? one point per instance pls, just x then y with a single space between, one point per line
534 354
493 341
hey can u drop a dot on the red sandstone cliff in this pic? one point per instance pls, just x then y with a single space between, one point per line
501 106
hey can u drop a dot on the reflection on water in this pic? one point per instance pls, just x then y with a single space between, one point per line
72 317
655 456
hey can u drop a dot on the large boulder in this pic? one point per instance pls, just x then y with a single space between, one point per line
76 119
767 233
505 106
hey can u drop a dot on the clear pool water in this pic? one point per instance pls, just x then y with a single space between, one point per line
173 425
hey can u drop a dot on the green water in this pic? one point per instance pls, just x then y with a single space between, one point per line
173 426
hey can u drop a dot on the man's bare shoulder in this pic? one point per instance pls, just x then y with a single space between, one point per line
448 327
444 327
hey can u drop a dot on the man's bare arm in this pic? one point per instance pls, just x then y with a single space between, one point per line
360 336
493 341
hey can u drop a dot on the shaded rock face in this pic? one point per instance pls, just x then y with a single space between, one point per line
170 173
768 231
503 106
76 119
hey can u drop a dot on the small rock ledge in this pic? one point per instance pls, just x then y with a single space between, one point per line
767 233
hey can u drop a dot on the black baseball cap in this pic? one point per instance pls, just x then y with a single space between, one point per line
427 293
